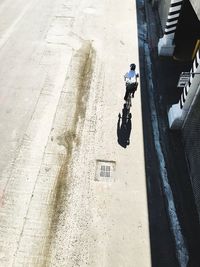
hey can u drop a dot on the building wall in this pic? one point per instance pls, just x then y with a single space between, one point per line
196 6
191 137
187 33
163 9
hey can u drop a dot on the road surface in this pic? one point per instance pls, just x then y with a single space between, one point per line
71 193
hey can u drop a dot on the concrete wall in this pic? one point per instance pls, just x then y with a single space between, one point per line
163 9
164 5
196 6
191 133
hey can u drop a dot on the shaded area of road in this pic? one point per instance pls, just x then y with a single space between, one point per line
165 72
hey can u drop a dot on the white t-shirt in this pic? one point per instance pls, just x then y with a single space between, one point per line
130 77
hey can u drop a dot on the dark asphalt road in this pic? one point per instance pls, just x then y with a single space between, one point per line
165 72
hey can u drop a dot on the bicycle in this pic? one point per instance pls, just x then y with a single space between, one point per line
131 88
128 104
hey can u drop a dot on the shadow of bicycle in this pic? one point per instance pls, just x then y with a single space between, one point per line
124 127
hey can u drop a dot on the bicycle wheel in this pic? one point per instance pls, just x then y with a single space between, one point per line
128 102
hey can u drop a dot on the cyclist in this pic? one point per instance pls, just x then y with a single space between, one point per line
131 81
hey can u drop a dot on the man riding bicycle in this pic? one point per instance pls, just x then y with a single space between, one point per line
131 81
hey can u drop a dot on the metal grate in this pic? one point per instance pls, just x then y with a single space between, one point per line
104 170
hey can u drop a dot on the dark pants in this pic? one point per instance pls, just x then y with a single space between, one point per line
130 89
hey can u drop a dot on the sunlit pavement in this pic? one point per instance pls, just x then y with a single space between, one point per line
71 194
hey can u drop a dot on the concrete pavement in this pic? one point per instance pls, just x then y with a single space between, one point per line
70 194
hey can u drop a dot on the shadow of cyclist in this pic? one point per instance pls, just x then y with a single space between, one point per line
124 128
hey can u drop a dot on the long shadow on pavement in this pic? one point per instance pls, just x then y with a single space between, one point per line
124 127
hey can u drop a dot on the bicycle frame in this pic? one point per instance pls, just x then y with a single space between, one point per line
128 105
